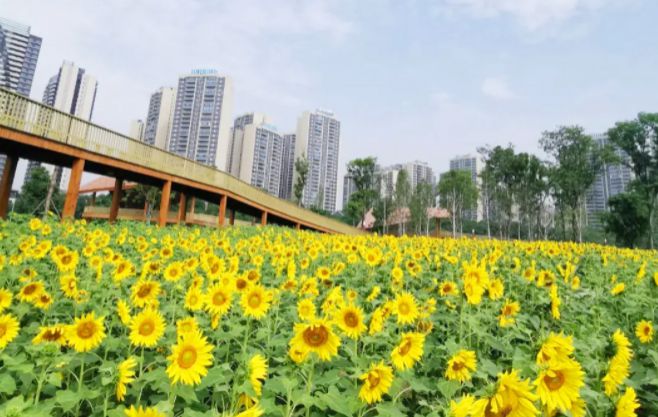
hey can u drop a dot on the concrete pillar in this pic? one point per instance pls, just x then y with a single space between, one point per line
164 203
221 219
231 218
71 201
263 218
116 199
5 184
182 208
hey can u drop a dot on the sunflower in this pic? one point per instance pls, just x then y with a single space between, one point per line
174 271
68 283
555 302
373 293
620 364
306 309
257 372
143 412
461 365
316 337
618 289
189 360
31 291
297 354
555 347
513 398
508 313
350 320
146 328
86 333
5 299
376 321
627 404
9 327
186 326
43 301
53 334
126 375
218 300
408 351
558 385
145 292
406 308
194 299
123 310
496 289
67 261
448 288
256 301
122 270
254 411
376 382
462 408
643 331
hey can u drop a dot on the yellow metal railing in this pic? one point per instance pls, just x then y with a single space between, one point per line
28 116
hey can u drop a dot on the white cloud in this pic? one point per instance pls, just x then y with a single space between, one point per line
532 14
497 88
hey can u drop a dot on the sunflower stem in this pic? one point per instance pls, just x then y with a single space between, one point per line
309 386
80 381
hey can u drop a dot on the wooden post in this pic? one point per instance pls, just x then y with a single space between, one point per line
164 203
71 201
263 218
231 217
298 226
5 184
116 199
93 198
182 207
222 210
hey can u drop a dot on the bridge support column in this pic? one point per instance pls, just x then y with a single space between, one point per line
116 199
182 208
164 203
231 218
221 220
263 218
71 201
5 184
298 226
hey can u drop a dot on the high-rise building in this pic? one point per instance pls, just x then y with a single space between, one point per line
72 90
201 127
287 166
262 149
473 165
160 117
19 52
318 140
137 130
237 139
612 179
417 172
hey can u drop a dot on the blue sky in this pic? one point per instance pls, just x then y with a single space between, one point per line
408 79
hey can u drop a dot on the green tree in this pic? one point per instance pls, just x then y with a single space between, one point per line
575 162
457 193
628 217
638 138
33 193
502 174
421 199
531 191
301 171
362 173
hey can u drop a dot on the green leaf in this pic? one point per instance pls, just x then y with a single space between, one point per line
448 388
67 399
342 403
7 384
389 410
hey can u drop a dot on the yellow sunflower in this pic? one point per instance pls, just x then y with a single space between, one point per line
186 326
86 333
350 320
194 299
496 289
376 382
68 283
189 360
174 271
558 385
306 309
256 301
508 313
461 365
5 299
643 331
620 364
254 411
146 328
316 337
408 351
123 310
53 334
145 292
627 404
218 300
406 308
43 301
448 288
9 327
257 372
143 412
462 408
513 398
125 376
31 291
555 347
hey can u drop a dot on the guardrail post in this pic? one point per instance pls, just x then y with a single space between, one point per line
73 190
222 210
263 218
164 203
182 207
116 199
5 183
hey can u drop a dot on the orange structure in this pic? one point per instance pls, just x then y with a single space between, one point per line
31 130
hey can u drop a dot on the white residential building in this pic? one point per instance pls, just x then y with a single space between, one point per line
473 165
160 117
137 130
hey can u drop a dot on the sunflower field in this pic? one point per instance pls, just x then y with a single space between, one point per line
134 320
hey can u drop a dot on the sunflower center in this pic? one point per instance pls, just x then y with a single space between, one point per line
647 331
351 319
241 284
554 383
187 357
121 268
502 413
52 335
405 347
86 330
218 299
404 308
144 291
507 311
66 259
458 366
254 300
30 289
146 328
316 336
3 329
373 379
